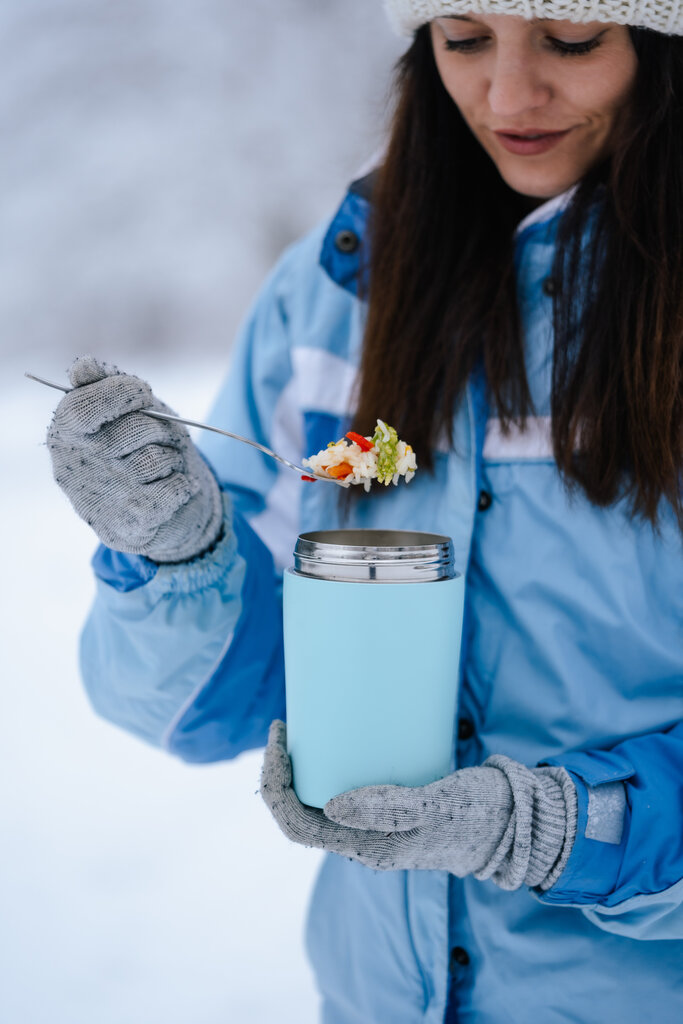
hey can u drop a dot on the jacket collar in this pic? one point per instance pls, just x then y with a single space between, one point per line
547 211
345 245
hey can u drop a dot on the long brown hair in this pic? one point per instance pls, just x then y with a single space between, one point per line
442 288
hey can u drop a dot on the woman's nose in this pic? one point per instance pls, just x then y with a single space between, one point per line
516 87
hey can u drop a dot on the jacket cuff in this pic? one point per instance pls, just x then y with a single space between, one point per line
124 572
592 869
541 827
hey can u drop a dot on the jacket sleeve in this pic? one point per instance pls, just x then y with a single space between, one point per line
189 656
625 870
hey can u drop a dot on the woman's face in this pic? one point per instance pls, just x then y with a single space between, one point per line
512 78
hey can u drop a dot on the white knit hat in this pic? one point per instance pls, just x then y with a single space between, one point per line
664 16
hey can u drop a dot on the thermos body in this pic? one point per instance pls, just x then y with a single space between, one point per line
372 627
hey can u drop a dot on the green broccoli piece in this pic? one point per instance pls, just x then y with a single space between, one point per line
387 452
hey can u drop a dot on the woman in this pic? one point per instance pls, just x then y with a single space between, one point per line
510 284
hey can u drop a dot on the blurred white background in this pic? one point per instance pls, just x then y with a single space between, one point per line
157 155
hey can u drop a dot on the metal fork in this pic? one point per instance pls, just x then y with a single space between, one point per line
308 473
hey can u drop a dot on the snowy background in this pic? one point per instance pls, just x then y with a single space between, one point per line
156 157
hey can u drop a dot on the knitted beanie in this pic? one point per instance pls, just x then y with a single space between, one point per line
664 16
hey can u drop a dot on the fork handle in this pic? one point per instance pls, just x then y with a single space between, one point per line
195 423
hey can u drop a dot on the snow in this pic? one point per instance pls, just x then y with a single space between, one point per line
156 158
135 889
158 155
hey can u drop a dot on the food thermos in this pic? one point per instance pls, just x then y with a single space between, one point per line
373 622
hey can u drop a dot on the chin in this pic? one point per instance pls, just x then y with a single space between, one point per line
541 195
540 188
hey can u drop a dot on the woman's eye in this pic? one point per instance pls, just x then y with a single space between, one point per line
463 45
566 49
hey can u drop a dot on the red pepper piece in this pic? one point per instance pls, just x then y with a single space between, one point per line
361 441
308 478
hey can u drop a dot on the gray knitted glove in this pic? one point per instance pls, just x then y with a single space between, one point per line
502 821
139 482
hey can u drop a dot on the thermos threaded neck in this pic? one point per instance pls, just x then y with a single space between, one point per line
374 556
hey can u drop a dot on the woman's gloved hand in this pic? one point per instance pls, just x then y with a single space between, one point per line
502 821
139 482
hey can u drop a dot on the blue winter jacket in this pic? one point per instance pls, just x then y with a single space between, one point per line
574 657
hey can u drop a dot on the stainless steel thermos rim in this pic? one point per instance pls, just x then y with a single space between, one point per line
374 556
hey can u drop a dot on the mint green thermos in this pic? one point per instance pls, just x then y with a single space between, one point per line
372 629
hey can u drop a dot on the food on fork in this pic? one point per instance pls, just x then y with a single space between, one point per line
355 459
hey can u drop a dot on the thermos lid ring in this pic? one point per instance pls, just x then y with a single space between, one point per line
374 556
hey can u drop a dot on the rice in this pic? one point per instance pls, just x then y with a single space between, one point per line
364 464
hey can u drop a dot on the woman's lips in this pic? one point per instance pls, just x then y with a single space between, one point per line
525 145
